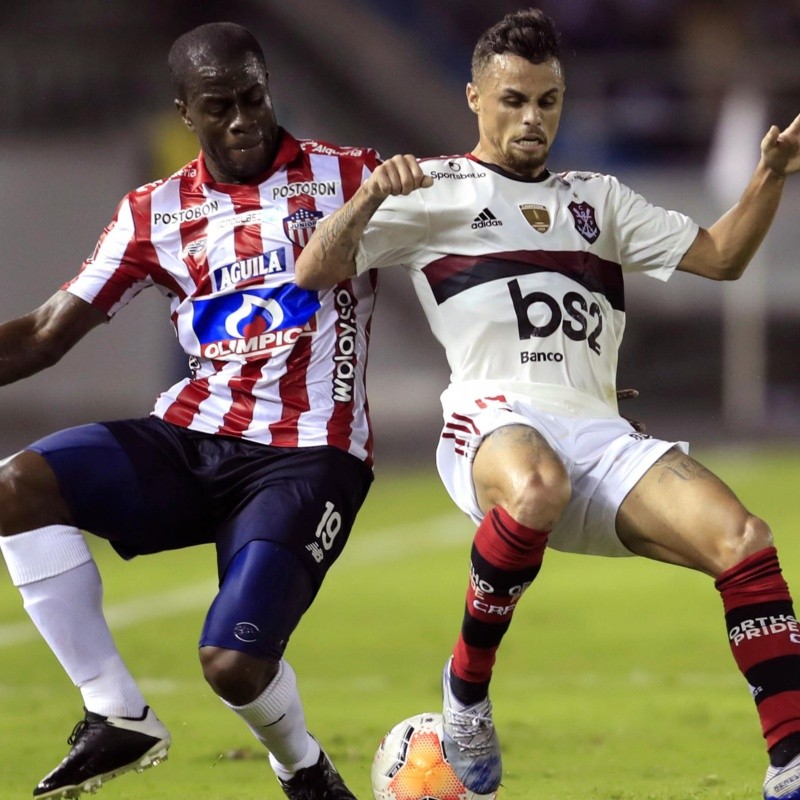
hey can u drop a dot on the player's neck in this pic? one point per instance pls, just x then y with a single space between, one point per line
512 170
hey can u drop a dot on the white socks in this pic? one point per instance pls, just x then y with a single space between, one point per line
43 553
276 718
62 592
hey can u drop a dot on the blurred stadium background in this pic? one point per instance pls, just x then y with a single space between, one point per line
673 96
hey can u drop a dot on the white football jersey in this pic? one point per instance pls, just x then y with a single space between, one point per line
522 280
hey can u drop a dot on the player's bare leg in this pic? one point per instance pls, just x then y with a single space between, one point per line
29 495
49 562
522 487
515 468
682 514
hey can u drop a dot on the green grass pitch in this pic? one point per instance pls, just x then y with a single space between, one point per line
614 683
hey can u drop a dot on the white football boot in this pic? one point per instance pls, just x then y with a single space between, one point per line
470 741
783 783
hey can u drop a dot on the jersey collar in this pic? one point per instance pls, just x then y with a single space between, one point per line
288 150
500 171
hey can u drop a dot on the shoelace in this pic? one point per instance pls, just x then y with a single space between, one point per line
472 729
77 731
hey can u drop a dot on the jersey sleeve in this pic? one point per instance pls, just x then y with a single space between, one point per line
394 234
117 269
372 159
650 239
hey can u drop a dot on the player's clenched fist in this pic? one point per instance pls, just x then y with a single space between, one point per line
401 174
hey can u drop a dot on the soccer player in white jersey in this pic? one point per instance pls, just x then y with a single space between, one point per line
265 450
520 272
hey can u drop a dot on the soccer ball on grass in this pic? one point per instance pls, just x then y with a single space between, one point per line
411 764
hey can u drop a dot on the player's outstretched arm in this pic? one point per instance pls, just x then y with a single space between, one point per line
724 250
38 340
329 257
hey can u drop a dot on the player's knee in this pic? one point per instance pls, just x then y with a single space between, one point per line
29 495
539 500
8 495
236 677
748 536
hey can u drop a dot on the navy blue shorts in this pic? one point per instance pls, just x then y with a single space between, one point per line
148 486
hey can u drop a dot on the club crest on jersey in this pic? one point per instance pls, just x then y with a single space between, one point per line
299 226
538 217
585 222
248 324
248 271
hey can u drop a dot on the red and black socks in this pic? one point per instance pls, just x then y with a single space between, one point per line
765 640
506 557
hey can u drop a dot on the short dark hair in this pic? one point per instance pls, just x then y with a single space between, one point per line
528 33
215 41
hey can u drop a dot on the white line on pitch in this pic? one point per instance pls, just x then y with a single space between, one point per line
366 547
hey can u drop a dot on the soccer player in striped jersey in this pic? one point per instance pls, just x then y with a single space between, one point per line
520 272
265 449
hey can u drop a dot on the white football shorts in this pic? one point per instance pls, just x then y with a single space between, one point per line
605 458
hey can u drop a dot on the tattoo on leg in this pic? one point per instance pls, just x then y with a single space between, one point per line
681 466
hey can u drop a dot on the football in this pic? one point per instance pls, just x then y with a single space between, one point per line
411 764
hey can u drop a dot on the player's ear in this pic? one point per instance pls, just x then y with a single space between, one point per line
184 112
473 97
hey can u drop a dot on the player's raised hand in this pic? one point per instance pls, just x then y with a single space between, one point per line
400 174
780 149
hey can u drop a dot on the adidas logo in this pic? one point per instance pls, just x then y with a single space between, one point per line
485 220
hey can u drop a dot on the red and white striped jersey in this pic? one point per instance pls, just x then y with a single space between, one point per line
270 362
